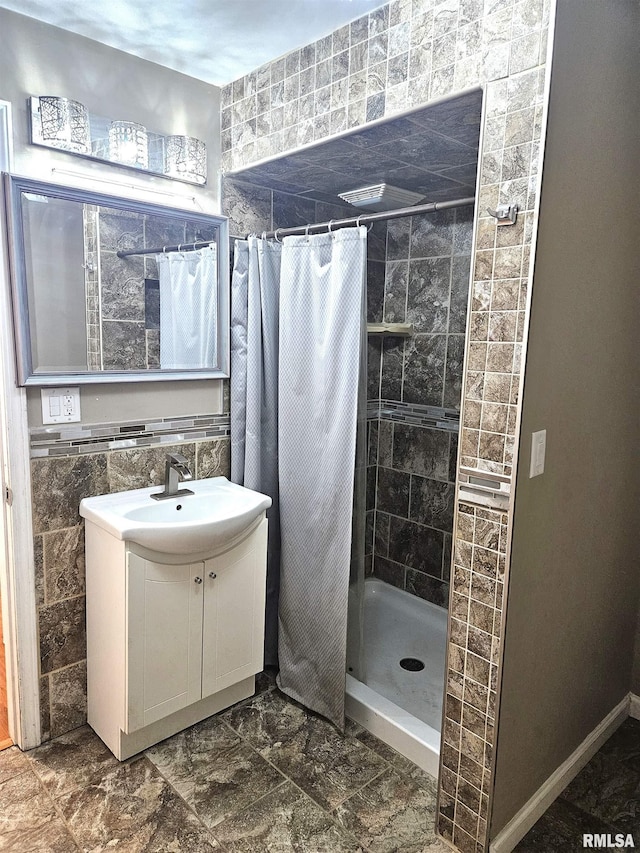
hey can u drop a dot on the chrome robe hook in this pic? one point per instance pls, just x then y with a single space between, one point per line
505 214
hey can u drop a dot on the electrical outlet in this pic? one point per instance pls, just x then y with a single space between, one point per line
60 405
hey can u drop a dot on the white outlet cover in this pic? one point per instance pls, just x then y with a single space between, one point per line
538 452
60 405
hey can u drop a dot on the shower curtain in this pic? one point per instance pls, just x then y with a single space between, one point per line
188 313
255 289
322 299
321 315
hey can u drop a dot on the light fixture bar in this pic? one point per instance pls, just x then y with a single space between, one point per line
67 126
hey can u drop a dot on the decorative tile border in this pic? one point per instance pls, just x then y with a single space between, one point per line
414 413
75 439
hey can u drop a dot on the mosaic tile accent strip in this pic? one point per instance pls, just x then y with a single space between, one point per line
95 438
414 413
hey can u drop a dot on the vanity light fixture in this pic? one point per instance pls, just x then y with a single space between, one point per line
64 124
129 144
68 126
185 158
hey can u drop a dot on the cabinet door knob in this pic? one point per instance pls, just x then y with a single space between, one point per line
213 575
197 580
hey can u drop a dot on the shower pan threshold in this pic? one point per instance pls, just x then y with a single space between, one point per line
399 627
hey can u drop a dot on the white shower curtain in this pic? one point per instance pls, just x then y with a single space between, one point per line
313 403
322 297
188 308
255 300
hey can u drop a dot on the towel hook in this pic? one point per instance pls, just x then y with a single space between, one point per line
505 214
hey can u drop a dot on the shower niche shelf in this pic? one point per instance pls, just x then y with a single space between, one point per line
401 330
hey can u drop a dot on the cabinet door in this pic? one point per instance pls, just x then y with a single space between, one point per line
164 639
234 601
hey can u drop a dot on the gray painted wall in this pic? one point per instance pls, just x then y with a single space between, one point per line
635 676
37 59
574 582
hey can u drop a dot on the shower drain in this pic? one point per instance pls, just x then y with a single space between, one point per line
412 664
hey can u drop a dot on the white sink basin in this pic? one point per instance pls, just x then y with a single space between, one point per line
216 514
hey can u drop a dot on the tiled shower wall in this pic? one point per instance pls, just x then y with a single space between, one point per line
402 56
68 464
417 385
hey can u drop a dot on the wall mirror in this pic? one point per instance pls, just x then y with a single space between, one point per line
108 289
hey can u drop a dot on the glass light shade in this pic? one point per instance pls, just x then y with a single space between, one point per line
186 159
129 144
64 124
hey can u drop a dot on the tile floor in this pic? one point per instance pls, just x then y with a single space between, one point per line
603 798
263 776
268 776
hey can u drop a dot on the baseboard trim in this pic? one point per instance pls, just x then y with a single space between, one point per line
634 706
532 810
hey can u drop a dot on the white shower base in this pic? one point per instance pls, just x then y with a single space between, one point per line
403 708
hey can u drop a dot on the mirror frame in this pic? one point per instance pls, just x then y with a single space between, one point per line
14 187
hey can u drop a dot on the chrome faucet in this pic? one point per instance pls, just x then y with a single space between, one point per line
176 467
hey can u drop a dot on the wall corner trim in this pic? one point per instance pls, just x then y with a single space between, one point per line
535 807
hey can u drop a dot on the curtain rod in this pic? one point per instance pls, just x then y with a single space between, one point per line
181 247
363 218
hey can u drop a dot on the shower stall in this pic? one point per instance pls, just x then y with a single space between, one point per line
398 616
418 272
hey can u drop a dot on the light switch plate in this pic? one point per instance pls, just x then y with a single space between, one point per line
538 451
60 405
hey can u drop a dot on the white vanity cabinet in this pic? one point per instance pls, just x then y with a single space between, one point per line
170 641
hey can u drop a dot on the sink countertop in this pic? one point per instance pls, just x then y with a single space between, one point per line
216 514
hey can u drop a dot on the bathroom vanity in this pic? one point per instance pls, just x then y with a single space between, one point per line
173 635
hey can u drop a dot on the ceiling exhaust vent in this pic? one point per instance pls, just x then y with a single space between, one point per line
381 197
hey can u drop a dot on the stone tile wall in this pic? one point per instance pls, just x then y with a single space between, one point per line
412 467
410 509
58 485
398 57
253 209
468 735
